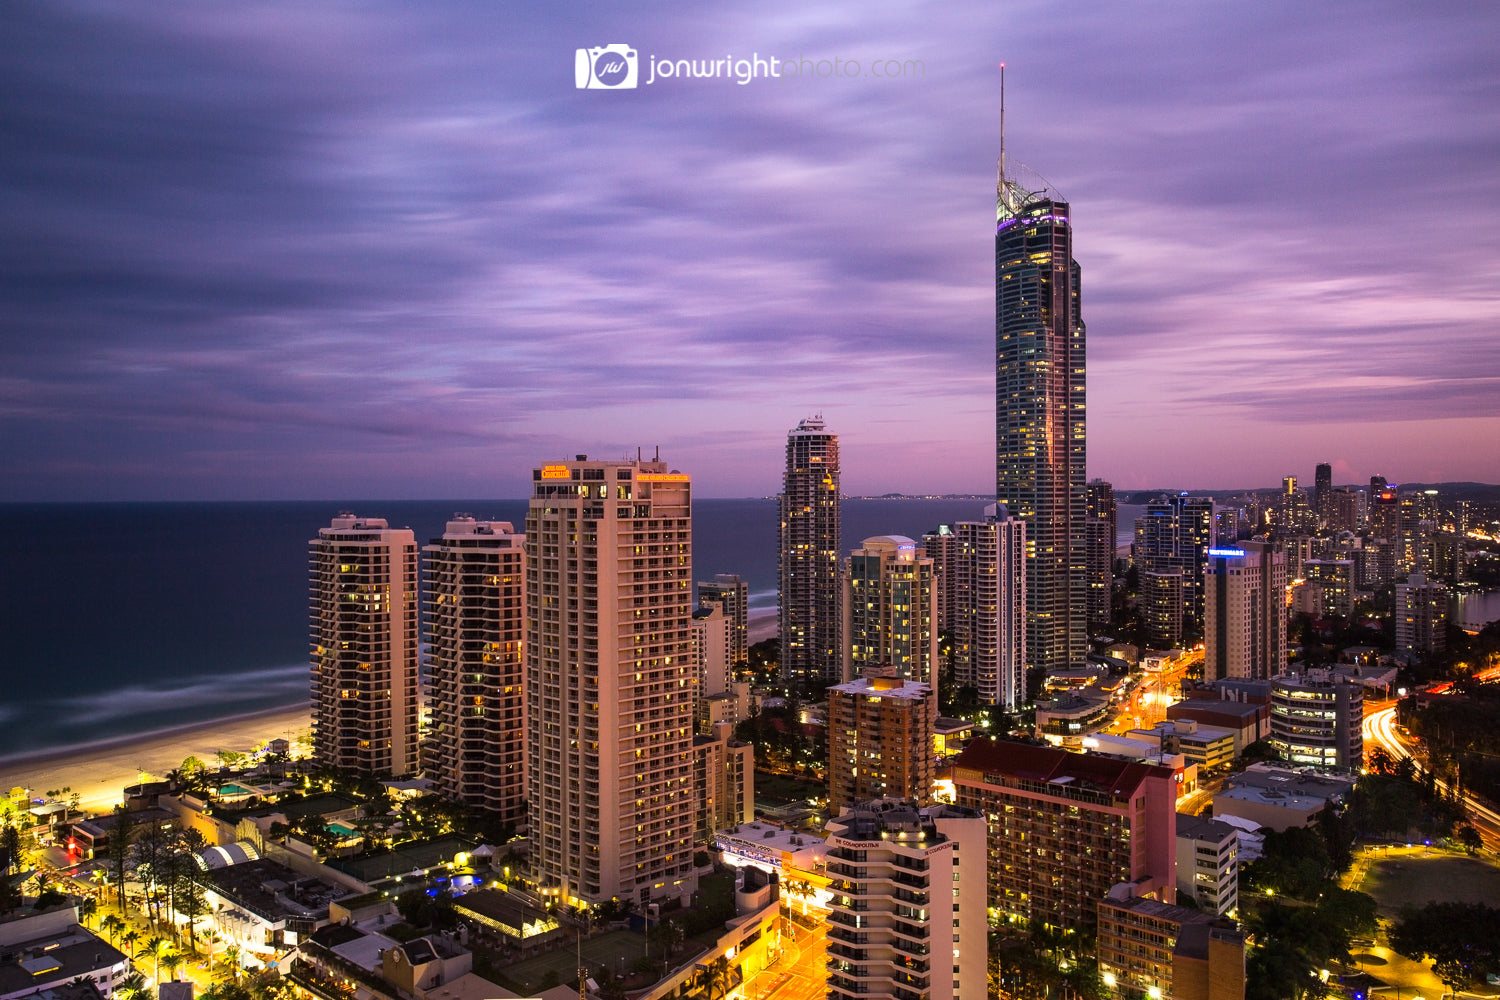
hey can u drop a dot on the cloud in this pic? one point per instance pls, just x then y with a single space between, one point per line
395 244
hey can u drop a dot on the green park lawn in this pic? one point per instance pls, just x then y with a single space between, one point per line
1413 880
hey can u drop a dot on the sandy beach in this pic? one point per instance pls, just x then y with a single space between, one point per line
99 772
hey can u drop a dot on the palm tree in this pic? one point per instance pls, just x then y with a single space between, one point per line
154 945
86 909
172 958
131 987
714 978
130 937
800 888
232 959
112 925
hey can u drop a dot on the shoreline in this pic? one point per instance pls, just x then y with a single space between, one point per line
100 770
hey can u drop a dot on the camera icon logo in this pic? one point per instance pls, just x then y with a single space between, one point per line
605 67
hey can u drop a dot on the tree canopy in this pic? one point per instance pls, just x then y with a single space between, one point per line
1462 939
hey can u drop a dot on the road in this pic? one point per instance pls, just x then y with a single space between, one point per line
1148 703
1380 728
801 973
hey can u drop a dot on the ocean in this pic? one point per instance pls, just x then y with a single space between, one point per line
121 619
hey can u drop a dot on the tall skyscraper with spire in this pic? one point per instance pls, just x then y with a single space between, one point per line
1039 410
810 582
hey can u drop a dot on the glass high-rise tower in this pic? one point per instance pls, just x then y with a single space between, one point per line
1039 414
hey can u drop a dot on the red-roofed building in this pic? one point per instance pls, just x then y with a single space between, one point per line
1064 828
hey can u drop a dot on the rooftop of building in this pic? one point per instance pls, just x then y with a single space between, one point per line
85 989
1129 746
888 542
1195 937
769 836
874 819
1313 680
1290 799
1302 781
1241 688
1155 909
1075 703
54 959
1024 761
1189 731
465 525
100 827
1203 828
274 891
470 986
885 687
1247 712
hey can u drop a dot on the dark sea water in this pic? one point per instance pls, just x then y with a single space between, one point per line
122 619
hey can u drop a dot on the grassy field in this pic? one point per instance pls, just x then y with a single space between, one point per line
1410 879
615 950
779 790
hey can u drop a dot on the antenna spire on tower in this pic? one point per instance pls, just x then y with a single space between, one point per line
1001 180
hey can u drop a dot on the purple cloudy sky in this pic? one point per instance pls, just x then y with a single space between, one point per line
297 250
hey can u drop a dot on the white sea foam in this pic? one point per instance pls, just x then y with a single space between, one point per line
226 693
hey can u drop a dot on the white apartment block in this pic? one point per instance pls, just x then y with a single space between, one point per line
1421 617
1208 873
982 589
713 637
908 902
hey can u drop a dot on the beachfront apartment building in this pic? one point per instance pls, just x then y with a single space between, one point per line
362 609
611 679
475 750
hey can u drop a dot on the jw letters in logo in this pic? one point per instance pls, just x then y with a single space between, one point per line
605 67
